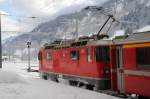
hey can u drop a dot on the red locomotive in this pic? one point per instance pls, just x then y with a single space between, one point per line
119 65
76 61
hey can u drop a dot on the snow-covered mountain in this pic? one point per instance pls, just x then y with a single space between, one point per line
131 15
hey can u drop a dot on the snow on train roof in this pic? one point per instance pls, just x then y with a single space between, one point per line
99 42
139 37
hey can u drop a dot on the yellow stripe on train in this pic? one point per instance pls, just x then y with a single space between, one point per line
136 45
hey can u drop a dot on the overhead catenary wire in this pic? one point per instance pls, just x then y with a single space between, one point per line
19 18
115 7
114 19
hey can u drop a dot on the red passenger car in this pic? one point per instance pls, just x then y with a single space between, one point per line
133 64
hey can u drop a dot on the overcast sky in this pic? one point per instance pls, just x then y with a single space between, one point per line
43 9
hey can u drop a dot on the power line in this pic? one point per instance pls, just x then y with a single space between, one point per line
115 7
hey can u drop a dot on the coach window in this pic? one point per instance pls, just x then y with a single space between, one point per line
89 58
49 56
143 58
102 53
74 55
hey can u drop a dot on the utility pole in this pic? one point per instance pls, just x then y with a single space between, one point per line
28 46
76 20
0 43
77 28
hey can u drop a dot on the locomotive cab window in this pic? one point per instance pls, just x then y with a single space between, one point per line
89 58
74 55
102 53
49 56
143 58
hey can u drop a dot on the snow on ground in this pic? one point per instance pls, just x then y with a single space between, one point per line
16 83
9 77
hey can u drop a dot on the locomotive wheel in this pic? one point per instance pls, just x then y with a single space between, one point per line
54 78
81 85
90 87
44 76
73 83
86 86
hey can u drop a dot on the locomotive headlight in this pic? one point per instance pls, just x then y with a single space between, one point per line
106 70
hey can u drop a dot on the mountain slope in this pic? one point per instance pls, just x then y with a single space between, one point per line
131 14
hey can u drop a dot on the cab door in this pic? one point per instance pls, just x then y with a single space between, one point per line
119 63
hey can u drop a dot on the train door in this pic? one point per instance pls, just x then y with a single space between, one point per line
119 63
102 57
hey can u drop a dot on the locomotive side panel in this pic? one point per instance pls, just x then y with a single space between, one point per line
81 67
87 66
